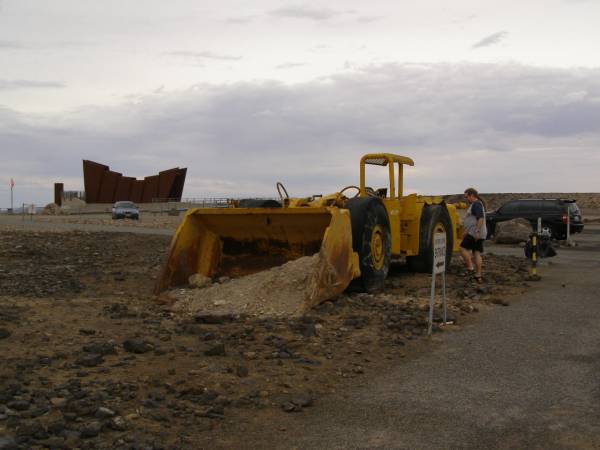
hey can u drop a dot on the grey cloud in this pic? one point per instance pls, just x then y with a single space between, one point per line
290 65
464 20
12 45
240 20
68 44
492 39
36 46
306 12
204 55
320 48
238 139
27 84
368 19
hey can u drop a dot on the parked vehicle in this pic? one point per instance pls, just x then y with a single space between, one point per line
553 212
125 210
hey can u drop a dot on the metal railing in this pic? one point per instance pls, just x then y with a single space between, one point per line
70 195
209 202
205 202
29 209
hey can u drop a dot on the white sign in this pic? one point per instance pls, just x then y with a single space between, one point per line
439 266
439 253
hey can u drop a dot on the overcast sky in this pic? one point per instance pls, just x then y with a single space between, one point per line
504 96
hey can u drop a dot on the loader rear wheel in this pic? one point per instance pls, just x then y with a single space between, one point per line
434 219
372 240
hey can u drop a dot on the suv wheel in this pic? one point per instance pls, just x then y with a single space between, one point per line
547 229
559 235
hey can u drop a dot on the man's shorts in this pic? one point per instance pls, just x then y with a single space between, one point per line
470 243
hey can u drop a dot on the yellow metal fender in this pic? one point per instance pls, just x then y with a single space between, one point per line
240 241
457 227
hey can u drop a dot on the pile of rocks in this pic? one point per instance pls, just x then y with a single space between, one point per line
287 291
52 209
512 231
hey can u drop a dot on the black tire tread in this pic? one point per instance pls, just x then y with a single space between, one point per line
430 216
365 213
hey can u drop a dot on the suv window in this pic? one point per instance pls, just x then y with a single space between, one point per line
509 208
553 206
548 206
531 206
124 205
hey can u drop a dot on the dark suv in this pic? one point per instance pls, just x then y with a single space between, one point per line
554 214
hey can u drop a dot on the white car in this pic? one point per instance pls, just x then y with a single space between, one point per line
125 210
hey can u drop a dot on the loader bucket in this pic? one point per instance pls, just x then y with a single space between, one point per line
241 241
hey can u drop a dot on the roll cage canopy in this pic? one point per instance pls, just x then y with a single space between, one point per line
385 159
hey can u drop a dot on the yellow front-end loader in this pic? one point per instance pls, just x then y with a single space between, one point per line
356 231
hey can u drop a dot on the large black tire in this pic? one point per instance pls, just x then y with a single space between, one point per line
372 240
433 218
559 233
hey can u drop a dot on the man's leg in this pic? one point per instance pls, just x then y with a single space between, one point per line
466 256
478 263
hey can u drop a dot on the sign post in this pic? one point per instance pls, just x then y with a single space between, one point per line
439 267
12 186
568 228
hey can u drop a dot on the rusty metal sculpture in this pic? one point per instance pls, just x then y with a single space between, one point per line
59 189
102 185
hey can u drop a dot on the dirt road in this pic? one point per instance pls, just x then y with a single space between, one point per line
520 377
148 224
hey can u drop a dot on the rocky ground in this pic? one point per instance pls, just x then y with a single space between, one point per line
92 360
147 220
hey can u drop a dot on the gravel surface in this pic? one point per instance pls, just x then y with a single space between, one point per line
146 225
520 377
92 360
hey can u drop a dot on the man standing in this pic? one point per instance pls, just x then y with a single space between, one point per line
474 233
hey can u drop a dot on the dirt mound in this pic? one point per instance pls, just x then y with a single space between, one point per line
283 291
52 209
512 231
73 204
